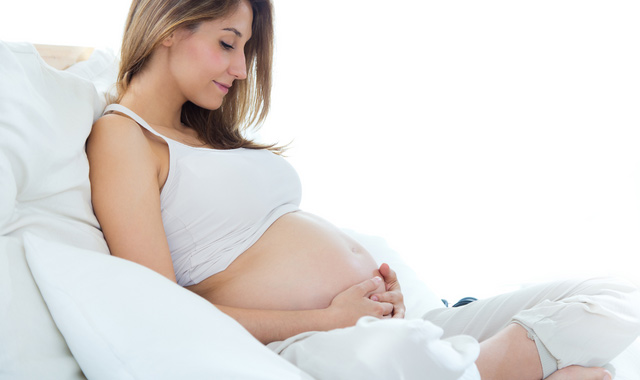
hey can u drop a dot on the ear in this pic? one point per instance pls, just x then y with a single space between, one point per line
167 42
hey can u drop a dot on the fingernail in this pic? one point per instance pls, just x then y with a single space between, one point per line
375 298
377 280
607 376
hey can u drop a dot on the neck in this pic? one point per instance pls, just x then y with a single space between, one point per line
153 97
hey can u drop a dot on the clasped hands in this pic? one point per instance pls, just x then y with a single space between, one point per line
379 297
392 295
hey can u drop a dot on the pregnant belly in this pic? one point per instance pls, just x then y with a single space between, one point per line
301 262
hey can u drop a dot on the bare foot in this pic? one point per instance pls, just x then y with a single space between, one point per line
575 372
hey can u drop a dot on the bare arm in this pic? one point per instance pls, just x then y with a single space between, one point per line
345 310
125 193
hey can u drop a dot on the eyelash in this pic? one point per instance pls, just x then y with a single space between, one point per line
226 46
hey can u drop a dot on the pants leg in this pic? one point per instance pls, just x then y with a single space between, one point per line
383 349
586 323
579 322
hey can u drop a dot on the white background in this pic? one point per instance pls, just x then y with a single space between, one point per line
492 143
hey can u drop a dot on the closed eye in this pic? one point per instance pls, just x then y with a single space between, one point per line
226 46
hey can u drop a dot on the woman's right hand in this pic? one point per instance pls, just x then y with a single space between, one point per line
352 304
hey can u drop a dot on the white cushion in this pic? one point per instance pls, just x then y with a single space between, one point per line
124 321
101 69
45 118
31 347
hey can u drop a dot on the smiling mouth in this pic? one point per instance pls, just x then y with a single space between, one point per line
223 87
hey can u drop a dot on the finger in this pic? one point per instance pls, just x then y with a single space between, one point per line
399 310
367 286
395 298
385 308
399 313
384 269
392 297
389 275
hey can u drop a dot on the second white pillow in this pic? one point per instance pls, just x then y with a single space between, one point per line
123 321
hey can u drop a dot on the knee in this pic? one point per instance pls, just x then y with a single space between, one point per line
614 286
628 294
604 286
613 296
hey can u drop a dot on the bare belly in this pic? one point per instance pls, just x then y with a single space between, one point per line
301 262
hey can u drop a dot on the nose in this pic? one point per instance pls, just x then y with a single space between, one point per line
238 67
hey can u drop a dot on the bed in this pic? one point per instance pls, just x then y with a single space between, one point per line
69 310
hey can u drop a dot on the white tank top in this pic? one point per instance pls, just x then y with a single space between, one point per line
218 203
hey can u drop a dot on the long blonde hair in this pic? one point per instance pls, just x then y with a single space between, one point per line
247 103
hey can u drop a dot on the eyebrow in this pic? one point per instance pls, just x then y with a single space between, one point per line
234 30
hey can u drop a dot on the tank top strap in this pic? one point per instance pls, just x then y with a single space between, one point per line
125 111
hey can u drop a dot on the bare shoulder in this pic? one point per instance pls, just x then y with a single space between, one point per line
115 128
118 137
118 146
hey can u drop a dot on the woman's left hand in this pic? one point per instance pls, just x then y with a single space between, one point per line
393 294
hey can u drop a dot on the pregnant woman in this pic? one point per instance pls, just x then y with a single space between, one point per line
178 188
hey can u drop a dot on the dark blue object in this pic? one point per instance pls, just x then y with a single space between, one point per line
465 301
462 302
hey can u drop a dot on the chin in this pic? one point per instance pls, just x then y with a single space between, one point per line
209 105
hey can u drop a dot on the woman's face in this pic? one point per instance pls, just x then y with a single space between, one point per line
206 62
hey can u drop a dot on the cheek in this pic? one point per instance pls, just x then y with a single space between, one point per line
211 61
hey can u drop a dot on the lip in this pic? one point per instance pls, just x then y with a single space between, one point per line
223 87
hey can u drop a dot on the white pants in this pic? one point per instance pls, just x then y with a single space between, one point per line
576 322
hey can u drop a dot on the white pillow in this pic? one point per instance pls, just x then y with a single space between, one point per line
31 347
123 321
45 118
101 69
